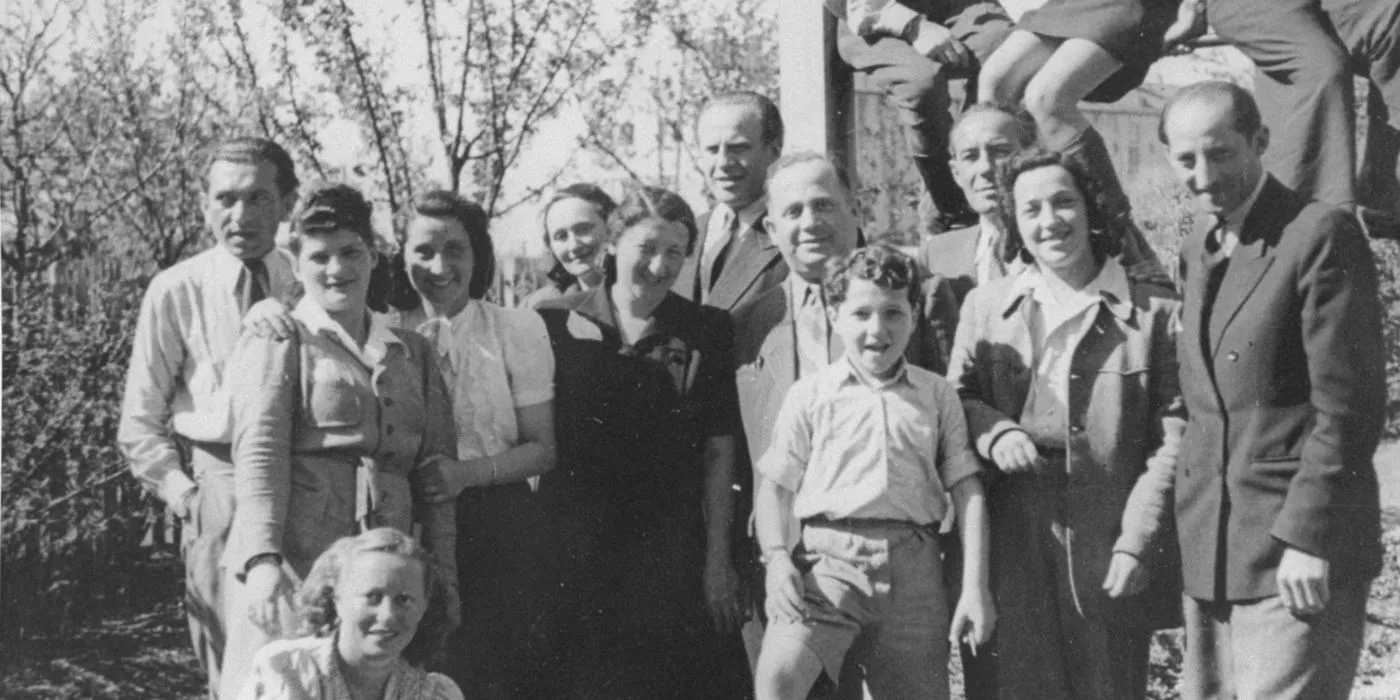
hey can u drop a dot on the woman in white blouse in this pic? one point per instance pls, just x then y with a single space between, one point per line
499 371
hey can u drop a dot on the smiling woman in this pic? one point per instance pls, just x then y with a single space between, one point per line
640 509
1068 375
500 373
362 605
328 425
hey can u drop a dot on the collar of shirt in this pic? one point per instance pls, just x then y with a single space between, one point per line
377 341
228 267
1109 286
722 214
1234 221
802 292
448 334
986 243
846 372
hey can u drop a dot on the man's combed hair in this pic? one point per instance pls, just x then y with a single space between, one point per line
1026 132
1243 107
316 597
770 119
254 150
880 263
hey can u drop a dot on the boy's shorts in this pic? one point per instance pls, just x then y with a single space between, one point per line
874 589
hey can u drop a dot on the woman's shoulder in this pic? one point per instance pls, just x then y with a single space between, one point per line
441 687
534 299
293 661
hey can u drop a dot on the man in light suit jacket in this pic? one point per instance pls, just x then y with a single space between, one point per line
786 333
740 135
1282 370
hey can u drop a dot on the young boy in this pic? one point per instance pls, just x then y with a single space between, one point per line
862 453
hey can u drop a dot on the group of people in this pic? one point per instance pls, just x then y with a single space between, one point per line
751 453
928 54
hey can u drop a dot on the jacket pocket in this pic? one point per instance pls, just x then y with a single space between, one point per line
333 404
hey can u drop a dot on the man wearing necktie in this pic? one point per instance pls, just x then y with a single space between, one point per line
190 318
739 134
1282 369
786 332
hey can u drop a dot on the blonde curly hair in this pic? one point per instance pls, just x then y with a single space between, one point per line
316 597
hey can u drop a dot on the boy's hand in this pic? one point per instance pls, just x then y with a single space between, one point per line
938 43
1126 576
722 595
973 619
783 583
1189 26
1015 452
269 319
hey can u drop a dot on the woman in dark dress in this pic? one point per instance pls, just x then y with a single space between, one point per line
640 503
1066 51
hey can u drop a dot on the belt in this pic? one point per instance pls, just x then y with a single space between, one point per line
858 523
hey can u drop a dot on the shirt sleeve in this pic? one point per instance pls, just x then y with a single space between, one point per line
263 407
157 355
790 450
873 18
528 357
956 460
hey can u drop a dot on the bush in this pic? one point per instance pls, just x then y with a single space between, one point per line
73 518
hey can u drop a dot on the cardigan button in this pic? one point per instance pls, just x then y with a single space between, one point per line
1232 356
1076 429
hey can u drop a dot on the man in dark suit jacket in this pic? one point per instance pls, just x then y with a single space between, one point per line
1282 369
740 134
982 136
812 220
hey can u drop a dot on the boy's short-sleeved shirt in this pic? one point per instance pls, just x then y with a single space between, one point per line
851 447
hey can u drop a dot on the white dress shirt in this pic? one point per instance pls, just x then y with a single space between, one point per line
188 325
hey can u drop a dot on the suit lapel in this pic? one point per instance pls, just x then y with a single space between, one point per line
1249 261
744 264
688 281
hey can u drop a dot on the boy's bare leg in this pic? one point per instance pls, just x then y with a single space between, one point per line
787 669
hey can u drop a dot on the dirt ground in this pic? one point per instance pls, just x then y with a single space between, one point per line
145 653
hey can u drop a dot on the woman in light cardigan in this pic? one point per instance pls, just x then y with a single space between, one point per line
1068 375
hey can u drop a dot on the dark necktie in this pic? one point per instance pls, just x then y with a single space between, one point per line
721 255
1216 261
252 284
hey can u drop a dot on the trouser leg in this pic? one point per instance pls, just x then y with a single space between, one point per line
203 538
1090 151
1303 86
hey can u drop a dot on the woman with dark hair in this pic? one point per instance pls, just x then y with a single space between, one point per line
1065 51
1068 376
373 610
329 423
500 374
575 232
645 604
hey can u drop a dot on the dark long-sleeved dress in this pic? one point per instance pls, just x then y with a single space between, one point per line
624 503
